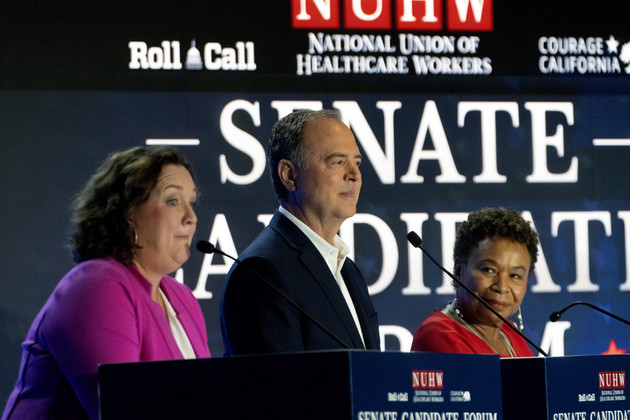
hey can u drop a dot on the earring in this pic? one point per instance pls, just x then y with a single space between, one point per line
520 320
456 309
135 232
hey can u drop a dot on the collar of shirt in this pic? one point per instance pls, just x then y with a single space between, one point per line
334 256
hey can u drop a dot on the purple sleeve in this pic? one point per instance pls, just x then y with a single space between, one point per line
92 319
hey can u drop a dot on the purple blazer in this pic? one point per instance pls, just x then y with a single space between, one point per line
100 312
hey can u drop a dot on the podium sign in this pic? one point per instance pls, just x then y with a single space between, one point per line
330 385
569 387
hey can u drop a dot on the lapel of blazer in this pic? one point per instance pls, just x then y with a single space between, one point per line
314 263
362 303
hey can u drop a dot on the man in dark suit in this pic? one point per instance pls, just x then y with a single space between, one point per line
314 163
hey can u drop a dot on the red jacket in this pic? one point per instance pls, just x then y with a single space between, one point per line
441 334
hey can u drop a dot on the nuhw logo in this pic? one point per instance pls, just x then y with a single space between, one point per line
427 379
612 380
408 15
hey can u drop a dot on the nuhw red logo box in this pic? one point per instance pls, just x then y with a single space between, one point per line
612 380
408 15
427 379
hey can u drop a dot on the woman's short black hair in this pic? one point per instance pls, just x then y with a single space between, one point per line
495 223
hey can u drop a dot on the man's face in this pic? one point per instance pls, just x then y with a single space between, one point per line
327 188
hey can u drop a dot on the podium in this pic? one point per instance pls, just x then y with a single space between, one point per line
568 387
327 385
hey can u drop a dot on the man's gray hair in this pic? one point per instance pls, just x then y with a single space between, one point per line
287 142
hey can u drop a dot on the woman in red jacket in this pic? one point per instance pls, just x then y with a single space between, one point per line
495 253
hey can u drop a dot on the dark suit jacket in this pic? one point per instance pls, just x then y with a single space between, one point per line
256 319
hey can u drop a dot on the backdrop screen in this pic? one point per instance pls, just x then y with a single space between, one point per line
455 105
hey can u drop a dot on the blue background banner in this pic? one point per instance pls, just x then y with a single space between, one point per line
552 141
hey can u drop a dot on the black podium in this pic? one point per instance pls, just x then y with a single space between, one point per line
568 387
330 385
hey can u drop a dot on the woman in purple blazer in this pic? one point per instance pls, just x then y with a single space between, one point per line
135 223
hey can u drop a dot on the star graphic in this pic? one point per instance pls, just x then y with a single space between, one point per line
612 349
612 44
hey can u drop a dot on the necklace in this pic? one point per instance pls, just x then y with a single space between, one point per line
457 315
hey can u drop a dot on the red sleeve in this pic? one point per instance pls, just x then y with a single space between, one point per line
440 334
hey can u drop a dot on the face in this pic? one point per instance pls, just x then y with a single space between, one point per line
327 188
497 271
166 222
